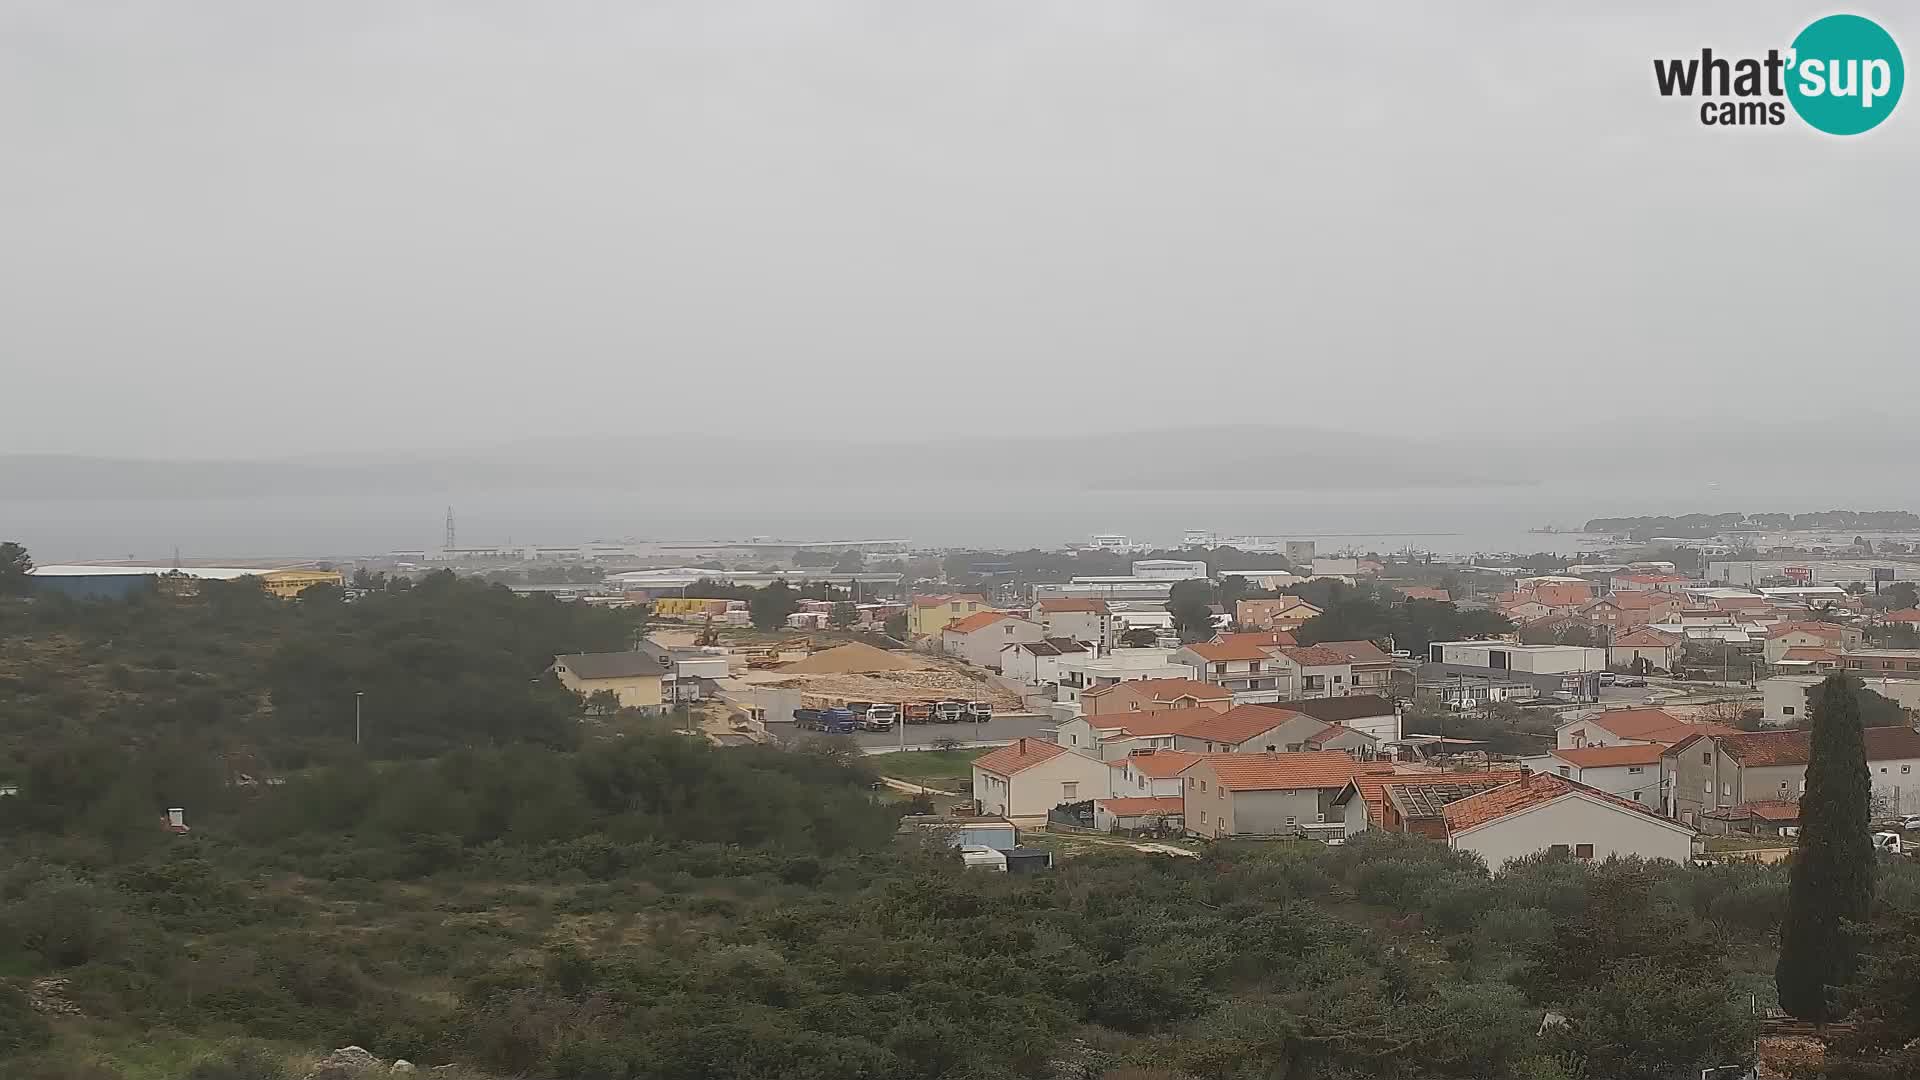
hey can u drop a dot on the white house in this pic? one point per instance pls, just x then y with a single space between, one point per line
1612 727
1146 773
1508 656
1785 699
979 637
1546 812
1037 662
1084 672
1029 777
1659 651
1078 619
1168 569
1631 771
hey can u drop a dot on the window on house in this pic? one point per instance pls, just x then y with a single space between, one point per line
1069 792
1803 785
1271 748
1337 678
1564 771
1219 669
1706 787
1631 769
1706 758
1557 849
1905 769
1636 797
1219 793
1726 789
1583 851
1289 823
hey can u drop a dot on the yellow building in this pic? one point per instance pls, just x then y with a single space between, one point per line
928 615
634 676
287 584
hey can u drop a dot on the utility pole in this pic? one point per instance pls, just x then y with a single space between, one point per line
357 695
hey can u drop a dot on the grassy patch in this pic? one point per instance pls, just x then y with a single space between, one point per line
934 767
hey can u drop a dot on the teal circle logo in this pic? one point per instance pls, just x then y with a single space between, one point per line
1845 75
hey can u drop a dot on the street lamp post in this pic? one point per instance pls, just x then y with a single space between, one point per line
357 695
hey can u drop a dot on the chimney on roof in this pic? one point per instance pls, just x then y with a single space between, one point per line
1021 748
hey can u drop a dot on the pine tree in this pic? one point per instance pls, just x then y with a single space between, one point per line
1831 881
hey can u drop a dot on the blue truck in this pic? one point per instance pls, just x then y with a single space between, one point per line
829 721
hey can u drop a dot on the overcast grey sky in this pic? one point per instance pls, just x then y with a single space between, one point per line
238 228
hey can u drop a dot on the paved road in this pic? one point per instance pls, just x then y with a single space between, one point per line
1000 729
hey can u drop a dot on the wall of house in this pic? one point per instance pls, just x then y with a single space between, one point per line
1573 820
1385 728
1089 626
1896 786
1261 813
636 692
982 647
1033 791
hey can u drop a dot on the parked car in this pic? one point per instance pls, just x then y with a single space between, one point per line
1630 680
1607 677
1910 823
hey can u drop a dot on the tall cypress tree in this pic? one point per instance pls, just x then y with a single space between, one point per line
1831 881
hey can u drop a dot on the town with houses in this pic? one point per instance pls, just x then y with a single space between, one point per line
1641 699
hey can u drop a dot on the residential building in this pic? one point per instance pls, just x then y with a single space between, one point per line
692 673
1029 777
1264 794
636 678
1902 617
1786 700
1149 695
1139 814
1037 663
1807 660
1626 610
928 615
1630 770
1672 584
1088 672
1370 670
1884 663
1247 670
1249 729
1644 727
1149 773
1278 613
1316 671
1657 651
1112 736
1547 812
1335 568
1079 618
979 637
1713 772
1509 656
1818 635
1410 802
1370 714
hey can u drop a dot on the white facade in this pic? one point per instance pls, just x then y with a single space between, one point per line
1784 698
1635 783
1086 671
1508 656
1036 789
981 647
1575 819
1346 568
1168 569
1092 627
1016 662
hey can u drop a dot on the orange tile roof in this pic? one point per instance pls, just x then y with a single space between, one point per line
1652 725
1059 604
1220 651
1166 689
1533 790
1372 783
1018 755
1357 652
1652 579
1562 595
975 621
1237 724
1904 615
1314 656
1640 600
1809 652
1422 592
1281 772
1133 807
1155 722
1597 757
1158 764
